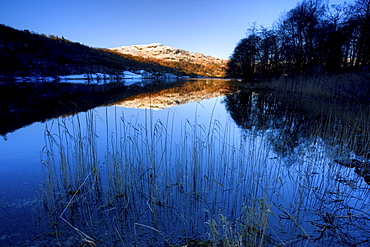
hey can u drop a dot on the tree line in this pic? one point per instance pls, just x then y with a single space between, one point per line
311 35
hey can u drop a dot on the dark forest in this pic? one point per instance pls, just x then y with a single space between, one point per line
312 35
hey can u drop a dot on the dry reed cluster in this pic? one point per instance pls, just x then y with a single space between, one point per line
168 180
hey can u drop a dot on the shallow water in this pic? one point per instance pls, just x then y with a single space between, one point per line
216 165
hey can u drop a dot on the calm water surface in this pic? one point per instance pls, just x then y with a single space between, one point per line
240 166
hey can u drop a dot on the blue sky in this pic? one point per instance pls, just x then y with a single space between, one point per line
212 27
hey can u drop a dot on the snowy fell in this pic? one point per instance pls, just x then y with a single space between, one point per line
168 54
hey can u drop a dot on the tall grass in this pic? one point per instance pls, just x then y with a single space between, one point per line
212 181
346 88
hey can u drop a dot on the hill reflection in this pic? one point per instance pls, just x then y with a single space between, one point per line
191 91
25 103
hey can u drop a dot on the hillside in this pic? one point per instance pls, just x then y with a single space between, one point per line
26 53
182 60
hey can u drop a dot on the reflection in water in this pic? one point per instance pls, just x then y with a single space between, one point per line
126 177
191 91
291 122
158 182
262 111
25 103
277 184
307 137
22 104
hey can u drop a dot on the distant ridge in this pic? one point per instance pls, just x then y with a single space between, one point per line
176 58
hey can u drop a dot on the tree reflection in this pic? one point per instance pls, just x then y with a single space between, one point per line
291 122
263 112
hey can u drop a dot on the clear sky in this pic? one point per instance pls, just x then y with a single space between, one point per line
212 27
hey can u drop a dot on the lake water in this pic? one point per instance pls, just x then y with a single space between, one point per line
202 160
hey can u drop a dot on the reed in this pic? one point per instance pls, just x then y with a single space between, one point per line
206 180
345 88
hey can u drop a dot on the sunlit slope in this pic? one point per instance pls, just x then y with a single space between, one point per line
182 60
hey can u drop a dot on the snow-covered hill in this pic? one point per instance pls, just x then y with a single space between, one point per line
170 54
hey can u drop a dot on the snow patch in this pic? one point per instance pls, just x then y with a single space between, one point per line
139 77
